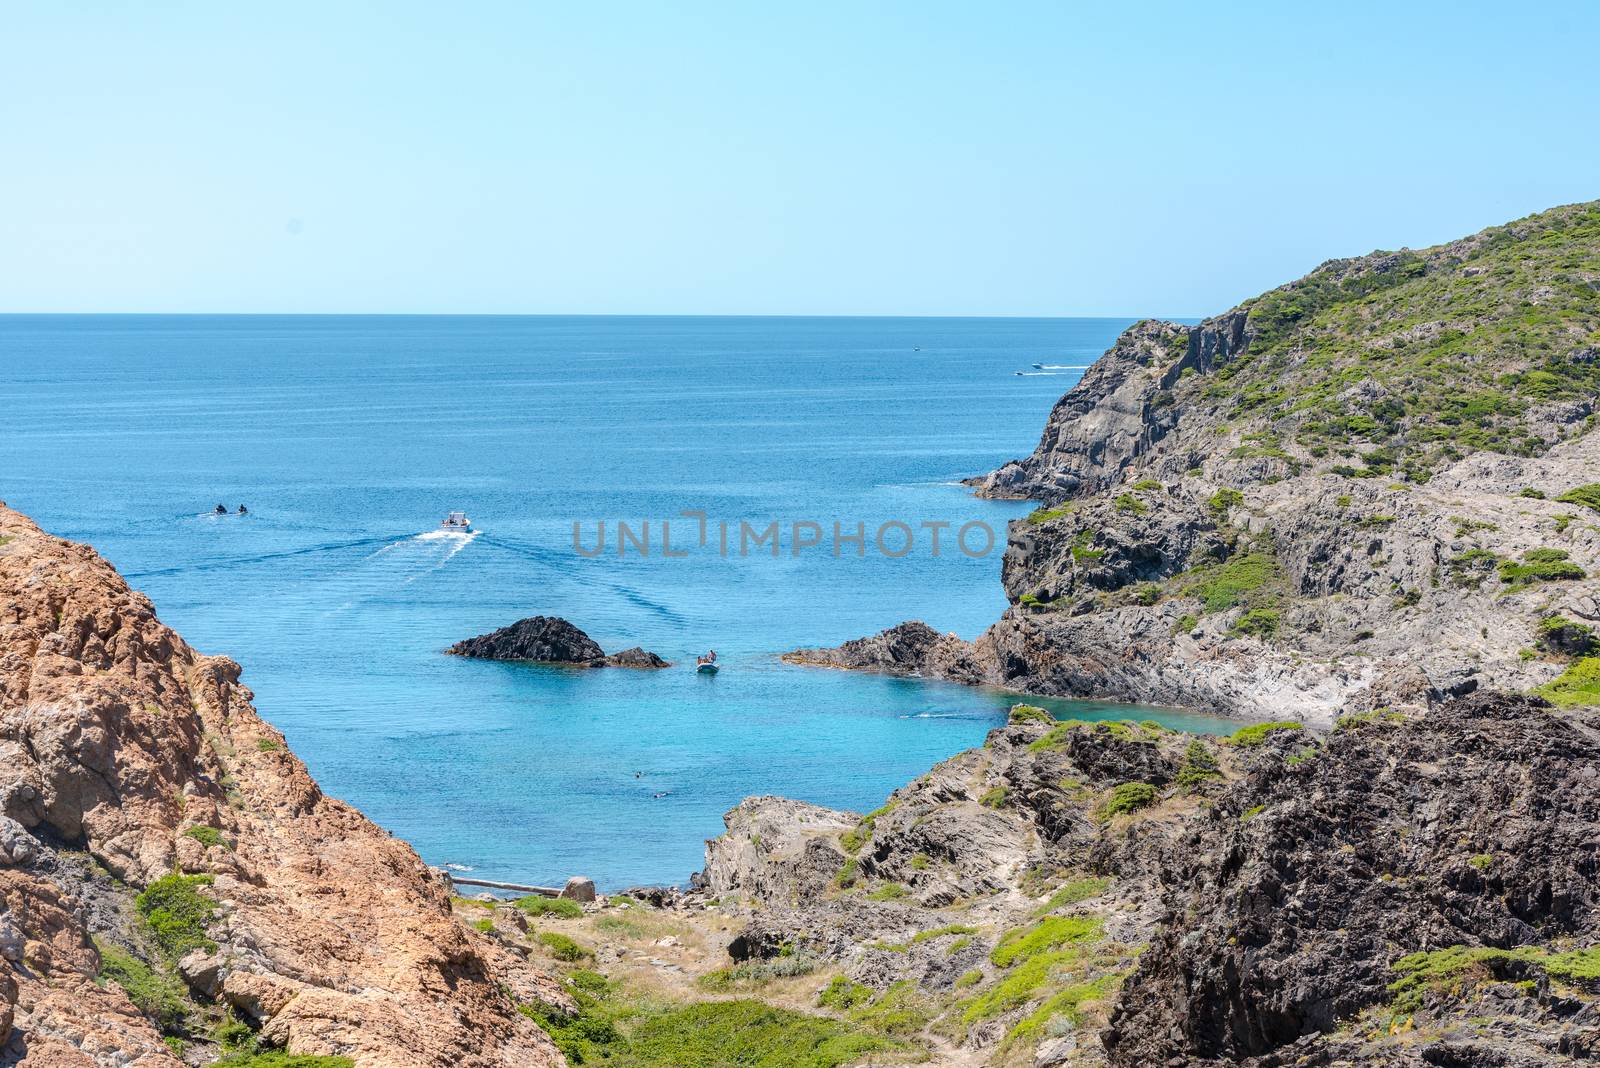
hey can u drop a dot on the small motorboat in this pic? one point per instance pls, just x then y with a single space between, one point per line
457 521
706 665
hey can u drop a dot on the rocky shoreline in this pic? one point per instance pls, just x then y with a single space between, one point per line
1289 510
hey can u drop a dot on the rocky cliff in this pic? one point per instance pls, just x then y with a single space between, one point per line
1404 890
1373 486
173 884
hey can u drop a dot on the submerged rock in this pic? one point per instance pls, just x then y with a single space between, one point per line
551 640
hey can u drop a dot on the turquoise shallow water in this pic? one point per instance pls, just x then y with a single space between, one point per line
349 437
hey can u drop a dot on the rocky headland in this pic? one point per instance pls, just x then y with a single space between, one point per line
551 640
1375 486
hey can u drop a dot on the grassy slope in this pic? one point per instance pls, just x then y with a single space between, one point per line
1400 362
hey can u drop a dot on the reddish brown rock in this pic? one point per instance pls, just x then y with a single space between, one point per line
115 737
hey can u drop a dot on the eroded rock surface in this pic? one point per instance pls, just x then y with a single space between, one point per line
125 755
1117 893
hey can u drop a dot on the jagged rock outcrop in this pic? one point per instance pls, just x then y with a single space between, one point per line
1477 825
122 747
551 640
1318 500
1406 890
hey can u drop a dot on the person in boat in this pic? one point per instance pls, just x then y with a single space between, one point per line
243 510
222 509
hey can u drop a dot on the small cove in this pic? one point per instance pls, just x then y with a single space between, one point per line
349 437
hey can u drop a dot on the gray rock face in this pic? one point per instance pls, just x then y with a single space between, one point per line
1477 824
1253 915
551 640
1383 594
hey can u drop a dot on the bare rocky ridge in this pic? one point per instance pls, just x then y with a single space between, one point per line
125 752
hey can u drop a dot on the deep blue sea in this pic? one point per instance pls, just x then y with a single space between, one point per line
350 437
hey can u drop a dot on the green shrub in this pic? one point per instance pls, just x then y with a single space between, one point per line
1224 500
1258 623
1588 496
1540 565
995 798
755 972
561 908
1073 892
1067 1003
942 932
563 948
848 873
1127 502
1129 797
735 1034
1257 733
206 836
1045 515
888 892
1144 485
1226 585
157 994
1021 984
842 994
1022 943
1081 552
1186 623
1578 685
268 745
1529 491
1470 568
1558 635
178 913
1199 764
1029 714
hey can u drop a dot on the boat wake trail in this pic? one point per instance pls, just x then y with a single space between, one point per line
229 563
562 564
397 564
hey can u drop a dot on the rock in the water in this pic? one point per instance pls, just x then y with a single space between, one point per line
551 640
546 639
636 658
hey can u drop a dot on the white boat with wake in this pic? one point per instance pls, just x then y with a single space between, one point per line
458 522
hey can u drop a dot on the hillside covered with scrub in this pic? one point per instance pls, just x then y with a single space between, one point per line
1374 486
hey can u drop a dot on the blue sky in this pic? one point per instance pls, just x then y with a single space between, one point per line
745 158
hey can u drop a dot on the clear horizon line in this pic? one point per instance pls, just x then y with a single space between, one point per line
581 315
